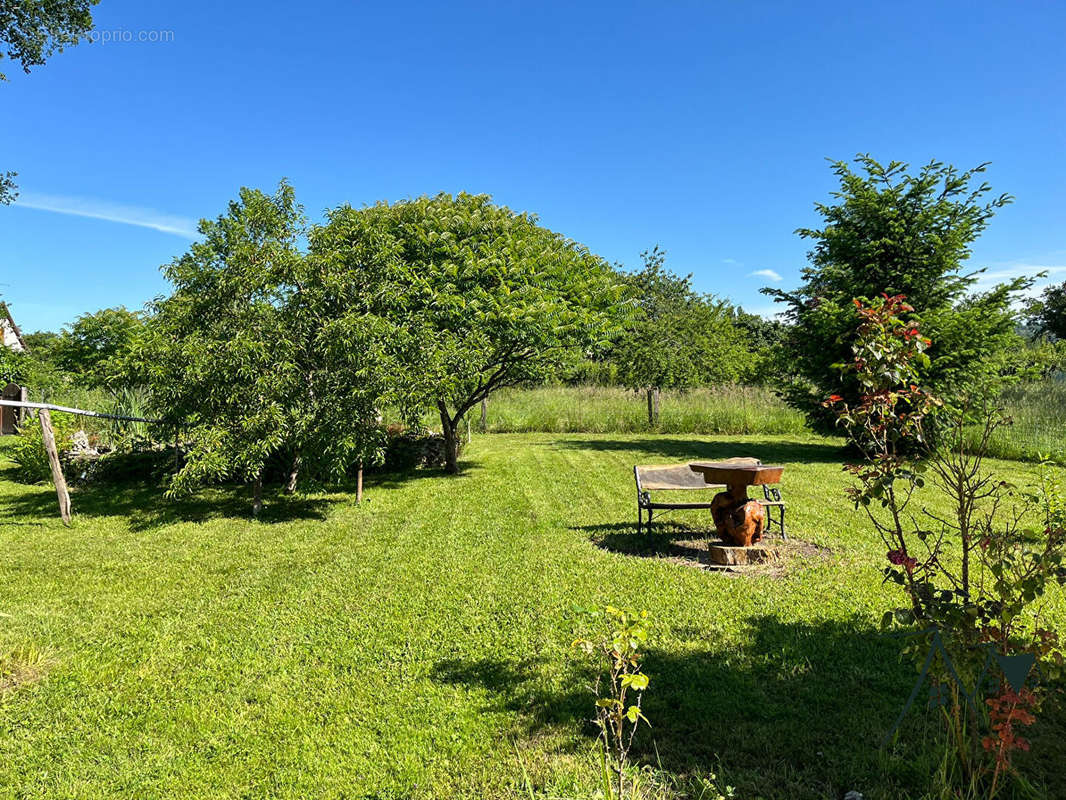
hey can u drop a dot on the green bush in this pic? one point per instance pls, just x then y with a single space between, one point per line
407 450
29 454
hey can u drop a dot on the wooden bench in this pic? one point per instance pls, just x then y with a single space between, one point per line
681 477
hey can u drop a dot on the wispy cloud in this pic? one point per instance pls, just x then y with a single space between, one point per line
111 212
1003 274
769 274
730 261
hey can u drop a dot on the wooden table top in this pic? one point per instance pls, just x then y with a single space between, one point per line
737 475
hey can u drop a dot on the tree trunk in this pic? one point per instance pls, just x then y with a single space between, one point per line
451 441
49 437
294 474
257 495
359 484
653 405
484 414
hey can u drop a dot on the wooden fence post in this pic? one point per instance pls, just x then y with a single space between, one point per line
49 437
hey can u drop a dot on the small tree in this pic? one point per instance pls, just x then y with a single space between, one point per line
616 650
898 232
475 297
677 338
972 579
240 357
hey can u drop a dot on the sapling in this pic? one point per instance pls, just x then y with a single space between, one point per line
616 649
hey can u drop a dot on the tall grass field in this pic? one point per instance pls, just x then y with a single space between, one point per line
601 409
1038 422
1037 412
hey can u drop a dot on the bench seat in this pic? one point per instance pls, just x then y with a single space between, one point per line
681 477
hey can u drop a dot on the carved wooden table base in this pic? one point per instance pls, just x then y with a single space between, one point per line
738 519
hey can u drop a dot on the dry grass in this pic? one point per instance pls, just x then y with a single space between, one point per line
19 667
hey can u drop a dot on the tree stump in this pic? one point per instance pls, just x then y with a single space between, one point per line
732 556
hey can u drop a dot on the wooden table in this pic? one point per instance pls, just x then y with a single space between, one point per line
738 519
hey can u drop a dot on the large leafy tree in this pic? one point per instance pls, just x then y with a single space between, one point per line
30 32
475 296
677 338
898 232
237 356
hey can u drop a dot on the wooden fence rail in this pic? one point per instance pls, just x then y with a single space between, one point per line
43 414
68 410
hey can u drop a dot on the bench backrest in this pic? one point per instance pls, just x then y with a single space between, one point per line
652 477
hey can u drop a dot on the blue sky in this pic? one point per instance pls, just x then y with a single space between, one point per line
702 127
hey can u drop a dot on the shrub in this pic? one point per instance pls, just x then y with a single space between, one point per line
141 462
406 450
29 454
973 578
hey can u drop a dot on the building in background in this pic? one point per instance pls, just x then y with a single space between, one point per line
11 338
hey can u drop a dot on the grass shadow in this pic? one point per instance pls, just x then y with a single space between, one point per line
799 711
146 507
520 687
390 479
144 504
687 544
622 537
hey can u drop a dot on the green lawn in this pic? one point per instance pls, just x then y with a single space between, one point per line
419 645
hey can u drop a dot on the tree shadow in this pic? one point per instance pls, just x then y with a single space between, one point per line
146 507
665 538
143 502
521 687
800 711
390 479
769 451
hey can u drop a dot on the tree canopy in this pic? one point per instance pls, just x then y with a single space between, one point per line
476 296
238 356
896 232
94 348
677 338
32 30
8 189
